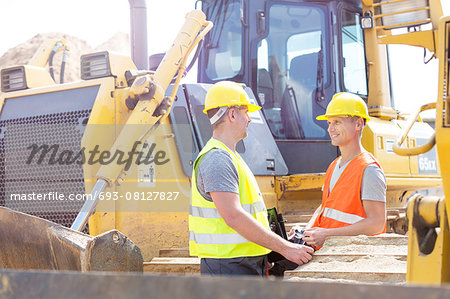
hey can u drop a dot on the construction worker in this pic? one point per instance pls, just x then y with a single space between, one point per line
228 226
354 192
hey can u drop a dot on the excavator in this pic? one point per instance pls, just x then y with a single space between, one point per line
95 174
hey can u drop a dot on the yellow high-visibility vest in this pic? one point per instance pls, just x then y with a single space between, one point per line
209 235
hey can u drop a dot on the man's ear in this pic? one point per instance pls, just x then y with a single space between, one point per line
360 123
231 113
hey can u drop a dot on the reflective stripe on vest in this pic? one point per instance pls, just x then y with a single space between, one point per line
209 235
341 216
212 213
320 212
220 239
343 205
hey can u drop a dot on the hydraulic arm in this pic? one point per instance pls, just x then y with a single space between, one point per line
151 107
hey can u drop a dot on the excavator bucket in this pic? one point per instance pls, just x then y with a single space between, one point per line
29 242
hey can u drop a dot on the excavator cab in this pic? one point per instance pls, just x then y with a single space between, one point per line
294 55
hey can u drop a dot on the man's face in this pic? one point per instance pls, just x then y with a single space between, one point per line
343 129
242 121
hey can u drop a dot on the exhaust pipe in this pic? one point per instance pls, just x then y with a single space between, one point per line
138 33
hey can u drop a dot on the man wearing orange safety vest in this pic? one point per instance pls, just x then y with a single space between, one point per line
354 191
228 226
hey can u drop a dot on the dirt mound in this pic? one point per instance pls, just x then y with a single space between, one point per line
119 42
22 53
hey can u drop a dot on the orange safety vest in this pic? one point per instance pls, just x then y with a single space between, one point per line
343 206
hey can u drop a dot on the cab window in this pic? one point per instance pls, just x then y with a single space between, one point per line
293 69
353 57
224 42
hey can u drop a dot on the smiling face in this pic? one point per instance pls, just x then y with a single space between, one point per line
344 129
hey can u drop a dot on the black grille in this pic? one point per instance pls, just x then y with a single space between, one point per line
95 65
13 79
17 177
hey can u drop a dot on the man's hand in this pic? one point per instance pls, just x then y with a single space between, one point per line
315 236
292 231
229 207
299 254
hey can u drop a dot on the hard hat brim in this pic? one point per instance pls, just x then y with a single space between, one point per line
251 108
326 116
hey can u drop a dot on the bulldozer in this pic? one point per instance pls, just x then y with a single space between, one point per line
51 245
112 155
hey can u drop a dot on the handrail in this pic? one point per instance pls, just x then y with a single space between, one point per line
414 151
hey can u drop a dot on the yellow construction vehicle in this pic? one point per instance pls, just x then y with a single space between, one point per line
429 238
119 143
33 243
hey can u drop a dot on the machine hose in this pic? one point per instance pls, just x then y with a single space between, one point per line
194 59
50 63
63 66
50 58
191 64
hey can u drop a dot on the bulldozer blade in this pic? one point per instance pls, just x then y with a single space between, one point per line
29 242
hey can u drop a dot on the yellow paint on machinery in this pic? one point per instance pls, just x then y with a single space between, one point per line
153 224
429 241
142 221
142 114
113 127
34 73
429 244
443 107
167 223
429 233
379 90
41 57
138 213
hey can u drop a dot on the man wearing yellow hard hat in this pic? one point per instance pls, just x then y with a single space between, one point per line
228 227
354 191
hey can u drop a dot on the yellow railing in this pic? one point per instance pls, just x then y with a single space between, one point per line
414 151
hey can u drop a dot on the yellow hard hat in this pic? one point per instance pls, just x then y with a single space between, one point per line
346 103
227 93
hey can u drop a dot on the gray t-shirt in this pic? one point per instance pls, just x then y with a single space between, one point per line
216 172
373 185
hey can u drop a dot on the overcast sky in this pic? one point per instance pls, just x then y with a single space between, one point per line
95 21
